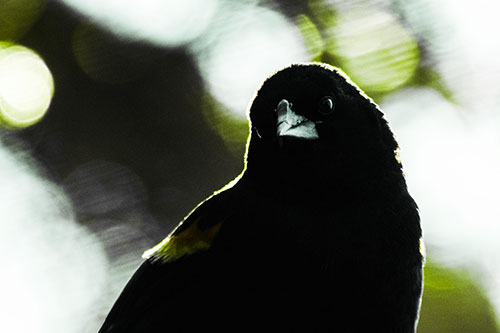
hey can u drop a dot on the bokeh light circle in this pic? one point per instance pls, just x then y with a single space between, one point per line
108 59
26 86
250 45
51 260
169 23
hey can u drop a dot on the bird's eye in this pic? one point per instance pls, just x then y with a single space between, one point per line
326 105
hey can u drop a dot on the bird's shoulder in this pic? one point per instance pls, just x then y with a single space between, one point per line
197 231
177 258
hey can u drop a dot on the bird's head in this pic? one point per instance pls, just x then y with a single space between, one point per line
310 120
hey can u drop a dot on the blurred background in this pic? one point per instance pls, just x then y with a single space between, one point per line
118 117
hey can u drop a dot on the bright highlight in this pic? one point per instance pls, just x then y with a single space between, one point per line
26 87
162 22
251 45
55 270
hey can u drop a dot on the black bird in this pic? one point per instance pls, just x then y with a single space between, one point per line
317 234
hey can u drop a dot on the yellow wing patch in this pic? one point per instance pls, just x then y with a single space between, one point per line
187 242
397 155
423 252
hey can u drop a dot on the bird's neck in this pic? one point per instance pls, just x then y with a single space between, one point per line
311 182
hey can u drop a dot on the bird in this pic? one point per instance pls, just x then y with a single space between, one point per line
318 233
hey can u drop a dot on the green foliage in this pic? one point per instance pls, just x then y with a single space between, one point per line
17 17
232 128
312 37
453 302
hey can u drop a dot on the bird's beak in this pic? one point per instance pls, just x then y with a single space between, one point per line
292 124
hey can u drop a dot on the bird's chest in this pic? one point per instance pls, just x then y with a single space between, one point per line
308 234
290 232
